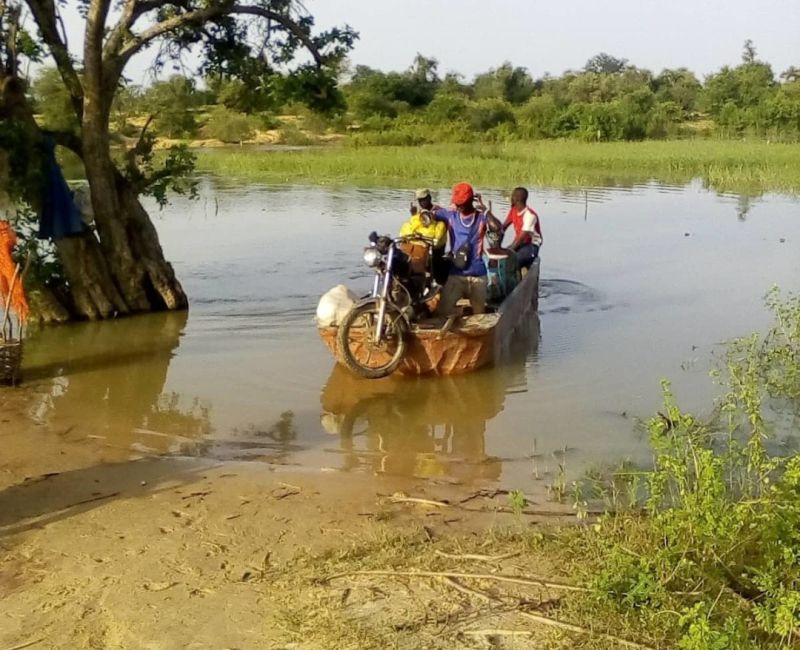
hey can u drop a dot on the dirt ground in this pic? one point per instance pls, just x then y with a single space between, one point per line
98 550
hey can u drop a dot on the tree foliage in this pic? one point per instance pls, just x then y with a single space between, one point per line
610 99
118 267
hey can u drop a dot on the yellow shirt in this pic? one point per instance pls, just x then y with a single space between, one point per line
437 231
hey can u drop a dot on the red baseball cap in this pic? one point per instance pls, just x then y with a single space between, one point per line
463 193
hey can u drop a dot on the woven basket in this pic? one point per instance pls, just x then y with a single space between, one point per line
10 362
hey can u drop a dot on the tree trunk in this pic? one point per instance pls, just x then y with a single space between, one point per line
120 269
142 280
124 270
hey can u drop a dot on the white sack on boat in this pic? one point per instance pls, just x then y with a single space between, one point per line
334 305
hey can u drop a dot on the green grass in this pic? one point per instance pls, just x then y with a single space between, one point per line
722 165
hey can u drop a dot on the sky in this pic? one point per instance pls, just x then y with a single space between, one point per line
471 36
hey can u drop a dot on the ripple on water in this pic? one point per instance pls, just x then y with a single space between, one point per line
562 296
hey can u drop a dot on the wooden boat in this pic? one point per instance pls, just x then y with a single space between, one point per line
472 343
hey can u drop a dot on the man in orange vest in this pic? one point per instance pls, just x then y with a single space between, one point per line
527 228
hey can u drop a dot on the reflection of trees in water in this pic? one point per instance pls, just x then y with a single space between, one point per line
744 203
167 416
253 442
283 430
107 380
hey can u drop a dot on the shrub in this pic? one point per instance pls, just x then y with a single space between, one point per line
717 539
229 126
291 134
537 118
489 113
447 108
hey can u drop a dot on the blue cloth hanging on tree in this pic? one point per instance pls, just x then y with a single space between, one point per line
60 216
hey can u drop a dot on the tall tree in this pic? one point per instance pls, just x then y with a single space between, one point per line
120 268
605 64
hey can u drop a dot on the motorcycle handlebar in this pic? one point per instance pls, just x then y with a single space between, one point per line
410 238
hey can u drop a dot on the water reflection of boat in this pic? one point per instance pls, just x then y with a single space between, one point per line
477 341
426 426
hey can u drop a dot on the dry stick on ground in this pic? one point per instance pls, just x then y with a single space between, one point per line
424 502
545 620
477 558
26 645
569 627
533 582
497 508
490 633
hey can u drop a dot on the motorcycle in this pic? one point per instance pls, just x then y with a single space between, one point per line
372 337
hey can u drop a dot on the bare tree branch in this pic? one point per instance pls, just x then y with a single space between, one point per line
286 23
132 10
93 41
67 139
197 18
44 13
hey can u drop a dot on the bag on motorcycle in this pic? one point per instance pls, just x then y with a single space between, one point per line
461 257
417 256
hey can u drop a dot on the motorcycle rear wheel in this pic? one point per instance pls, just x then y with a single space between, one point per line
356 337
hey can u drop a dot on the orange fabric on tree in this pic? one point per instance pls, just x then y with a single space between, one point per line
19 303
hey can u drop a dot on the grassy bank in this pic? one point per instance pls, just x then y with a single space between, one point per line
722 165
701 552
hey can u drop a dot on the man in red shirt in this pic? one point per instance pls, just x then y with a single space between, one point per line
527 228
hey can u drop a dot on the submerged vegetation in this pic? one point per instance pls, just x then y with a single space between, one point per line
722 165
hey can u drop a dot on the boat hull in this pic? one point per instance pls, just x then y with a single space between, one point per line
476 342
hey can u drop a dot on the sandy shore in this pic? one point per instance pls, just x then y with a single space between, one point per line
101 551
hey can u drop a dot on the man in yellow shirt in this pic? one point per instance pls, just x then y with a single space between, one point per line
422 223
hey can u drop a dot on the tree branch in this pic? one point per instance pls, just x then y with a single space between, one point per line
287 24
131 12
93 41
198 17
195 17
67 139
44 13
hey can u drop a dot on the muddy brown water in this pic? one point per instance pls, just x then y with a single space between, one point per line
638 283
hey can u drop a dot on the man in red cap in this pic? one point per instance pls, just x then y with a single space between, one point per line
467 227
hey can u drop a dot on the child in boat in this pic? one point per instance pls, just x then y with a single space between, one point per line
502 266
527 228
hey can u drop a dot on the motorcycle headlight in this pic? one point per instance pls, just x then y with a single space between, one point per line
371 256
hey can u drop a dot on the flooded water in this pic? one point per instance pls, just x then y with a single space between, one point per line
637 284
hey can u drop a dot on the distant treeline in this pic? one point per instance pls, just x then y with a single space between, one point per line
608 100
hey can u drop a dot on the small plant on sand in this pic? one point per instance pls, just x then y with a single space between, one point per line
517 501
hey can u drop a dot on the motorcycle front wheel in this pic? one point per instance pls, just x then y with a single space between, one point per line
356 339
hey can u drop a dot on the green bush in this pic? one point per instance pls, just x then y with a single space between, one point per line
717 539
268 121
489 113
664 120
291 134
447 108
176 123
538 117
53 101
229 126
